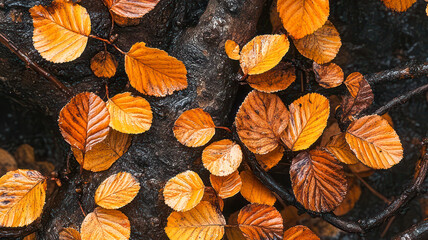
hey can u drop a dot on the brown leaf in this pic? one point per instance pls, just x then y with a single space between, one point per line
352 196
399 5
232 50
105 224
354 106
222 158
300 232
234 233
329 132
361 169
274 80
318 181
328 75
211 196
117 190
131 8
194 128
69 234
271 159
254 191
260 120
352 82
340 149
7 162
104 64
226 186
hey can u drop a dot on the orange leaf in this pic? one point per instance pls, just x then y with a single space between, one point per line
69 234
330 131
194 128
22 197
211 196
388 118
258 221
103 64
263 53
232 50
105 224
328 75
184 191
271 159
234 233
340 149
354 106
399 5
301 17
352 82
227 186
274 80
131 8
117 191
153 72
222 158
374 142
202 222
354 193
61 30
318 181
300 232
321 46
308 118
260 120
129 114
254 191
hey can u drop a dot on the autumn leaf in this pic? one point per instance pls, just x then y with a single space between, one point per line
129 114
321 46
301 17
226 186
232 50
361 169
354 106
308 118
328 75
153 72
60 31
184 191
254 191
117 191
398 5
105 153
274 80
84 121
211 196
263 53
352 82
271 159
202 222
330 131
194 128
300 232
340 149
105 224
222 158
260 121
258 221
131 8
374 142
103 64
234 233
69 234
318 181
22 197
352 196
388 118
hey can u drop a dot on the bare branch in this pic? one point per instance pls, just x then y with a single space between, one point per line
411 70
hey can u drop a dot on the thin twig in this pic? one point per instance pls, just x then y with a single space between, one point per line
418 231
412 70
376 193
108 42
388 225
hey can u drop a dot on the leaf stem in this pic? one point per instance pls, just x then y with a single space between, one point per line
108 42
224 128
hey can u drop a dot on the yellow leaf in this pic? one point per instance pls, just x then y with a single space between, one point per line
69 234
232 50
399 5
328 75
202 222
222 158
184 191
271 159
226 186
263 53
321 46
22 197
153 72
129 114
301 17
131 8
105 224
308 118
374 142
340 149
194 128
254 191
352 82
274 80
103 64
117 191
61 30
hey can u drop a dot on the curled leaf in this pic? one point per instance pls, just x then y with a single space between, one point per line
226 186
274 80
105 224
222 158
254 191
194 128
232 50
117 191
328 75
103 64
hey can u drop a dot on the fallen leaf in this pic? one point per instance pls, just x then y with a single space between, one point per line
340 149
352 196
271 159
274 80
184 191
117 191
211 196
69 234
328 75
300 232
7 162
194 128
352 82
234 233
105 224
361 169
222 158
103 64
232 50
354 106
398 5
226 186
131 8
124 21
388 118
254 191
329 132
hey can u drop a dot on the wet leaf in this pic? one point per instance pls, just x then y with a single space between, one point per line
271 159
234 233
69 234
399 5
194 128
274 80
60 31
153 72
226 186
318 180
184 191
354 106
300 232
260 121
232 50
22 197
105 224
374 142
211 196
340 149
352 82
222 158
104 64
388 118
254 191
117 191
328 75
131 8
352 196
129 114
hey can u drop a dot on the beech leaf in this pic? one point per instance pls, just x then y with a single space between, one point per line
232 50
399 5
194 128
103 64
300 232
328 75
226 186
105 224
117 191
271 159
254 191
69 234
277 79
131 8
340 149
222 158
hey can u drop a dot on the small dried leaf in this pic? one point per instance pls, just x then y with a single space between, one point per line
352 82
105 224
153 72
321 46
234 233
340 149
329 132
131 8
202 222
354 106
227 186
254 191
61 30
211 196
328 75
103 64
318 181
260 121
258 221
69 234
84 121
271 159
274 80
308 118
184 191
129 114
301 17
194 128
354 193
300 232
398 5
374 142
22 197
222 158
263 53
232 50
117 191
